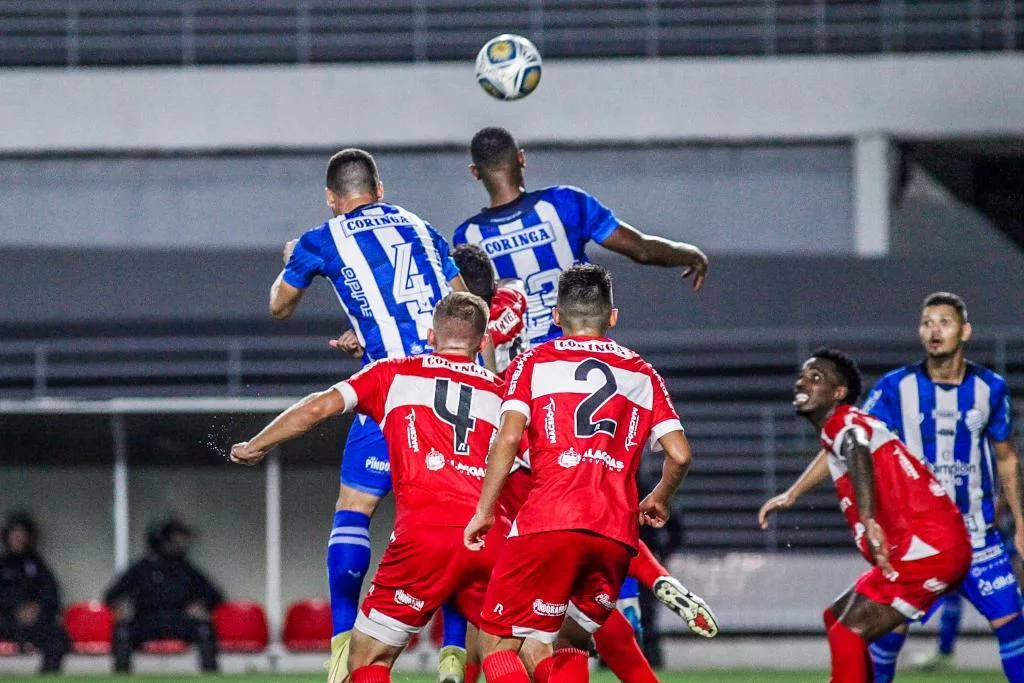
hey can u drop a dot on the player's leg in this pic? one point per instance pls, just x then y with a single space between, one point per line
951 605
862 621
370 660
693 610
885 651
618 647
365 479
472 674
451 666
992 588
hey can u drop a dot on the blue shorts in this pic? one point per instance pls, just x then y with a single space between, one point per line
364 464
990 584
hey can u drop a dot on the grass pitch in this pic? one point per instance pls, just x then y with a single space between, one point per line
706 676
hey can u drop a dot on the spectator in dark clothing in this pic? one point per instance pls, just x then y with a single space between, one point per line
29 597
164 596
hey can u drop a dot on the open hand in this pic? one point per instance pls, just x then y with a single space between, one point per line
698 268
783 501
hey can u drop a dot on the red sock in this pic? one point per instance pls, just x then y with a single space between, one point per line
543 671
472 672
829 618
375 673
645 567
617 646
571 666
850 660
504 666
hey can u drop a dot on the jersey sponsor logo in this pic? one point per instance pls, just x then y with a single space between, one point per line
362 223
549 420
471 470
999 583
908 469
845 503
410 433
957 468
435 460
976 419
634 424
403 598
572 458
355 289
604 601
499 609
549 609
946 432
466 368
984 555
517 373
524 238
593 346
937 489
935 585
375 464
939 414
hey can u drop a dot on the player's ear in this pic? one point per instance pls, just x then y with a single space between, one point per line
841 392
965 332
521 159
613 318
431 338
329 198
556 315
474 171
380 190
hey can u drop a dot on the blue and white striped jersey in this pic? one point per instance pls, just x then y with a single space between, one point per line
389 268
534 239
951 427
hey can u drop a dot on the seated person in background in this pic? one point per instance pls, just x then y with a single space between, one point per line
167 598
29 598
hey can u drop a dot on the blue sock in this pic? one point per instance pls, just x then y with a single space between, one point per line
949 622
454 626
884 652
348 558
1011 649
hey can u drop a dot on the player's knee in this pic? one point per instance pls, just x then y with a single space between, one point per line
1003 621
356 501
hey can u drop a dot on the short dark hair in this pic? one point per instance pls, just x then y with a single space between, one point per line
19 518
463 308
352 171
585 295
848 371
947 299
476 270
492 148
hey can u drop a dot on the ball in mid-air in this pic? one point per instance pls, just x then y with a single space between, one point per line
508 67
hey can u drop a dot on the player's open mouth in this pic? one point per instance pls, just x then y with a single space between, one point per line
800 398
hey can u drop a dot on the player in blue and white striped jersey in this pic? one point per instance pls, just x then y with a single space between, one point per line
955 415
389 268
534 236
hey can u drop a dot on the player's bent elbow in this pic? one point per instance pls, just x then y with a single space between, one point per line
280 311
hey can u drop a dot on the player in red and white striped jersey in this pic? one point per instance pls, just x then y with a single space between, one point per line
438 414
590 406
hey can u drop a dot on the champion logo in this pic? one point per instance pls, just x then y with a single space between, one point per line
604 600
403 598
548 609
435 460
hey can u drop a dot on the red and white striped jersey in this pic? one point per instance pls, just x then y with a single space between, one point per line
438 414
591 406
918 517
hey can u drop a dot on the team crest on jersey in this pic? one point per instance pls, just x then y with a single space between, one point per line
569 458
435 460
604 601
976 419
549 609
524 238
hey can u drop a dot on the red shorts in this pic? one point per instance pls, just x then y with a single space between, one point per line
918 583
542 578
423 568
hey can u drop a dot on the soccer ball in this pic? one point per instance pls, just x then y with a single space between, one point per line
508 67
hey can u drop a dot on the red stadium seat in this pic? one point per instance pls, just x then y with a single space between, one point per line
90 625
307 626
241 627
165 646
8 648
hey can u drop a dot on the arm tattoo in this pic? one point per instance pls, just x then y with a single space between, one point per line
862 471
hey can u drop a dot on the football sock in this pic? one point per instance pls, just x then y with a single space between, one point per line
543 671
884 653
454 627
571 666
472 672
618 649
850 661
348 558
645 567
375 673
504 666
1011 649
949 622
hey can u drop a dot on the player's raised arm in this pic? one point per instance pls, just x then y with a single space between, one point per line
655 507
857 452
293 422
499 463
658 251
813 475
301 264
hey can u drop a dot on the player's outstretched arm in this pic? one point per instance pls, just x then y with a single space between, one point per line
295 421
499 463
658 251
813 475
857 452
1008 465
284 298
654 509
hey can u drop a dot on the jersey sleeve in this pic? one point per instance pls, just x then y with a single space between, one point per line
882 403
459 236
366 391
448 267
1000 424
507 315
664 418
836 428
305 262
596 219
519 388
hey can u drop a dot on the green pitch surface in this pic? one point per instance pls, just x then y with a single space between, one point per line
716 676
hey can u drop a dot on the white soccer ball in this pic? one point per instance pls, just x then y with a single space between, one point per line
508 67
